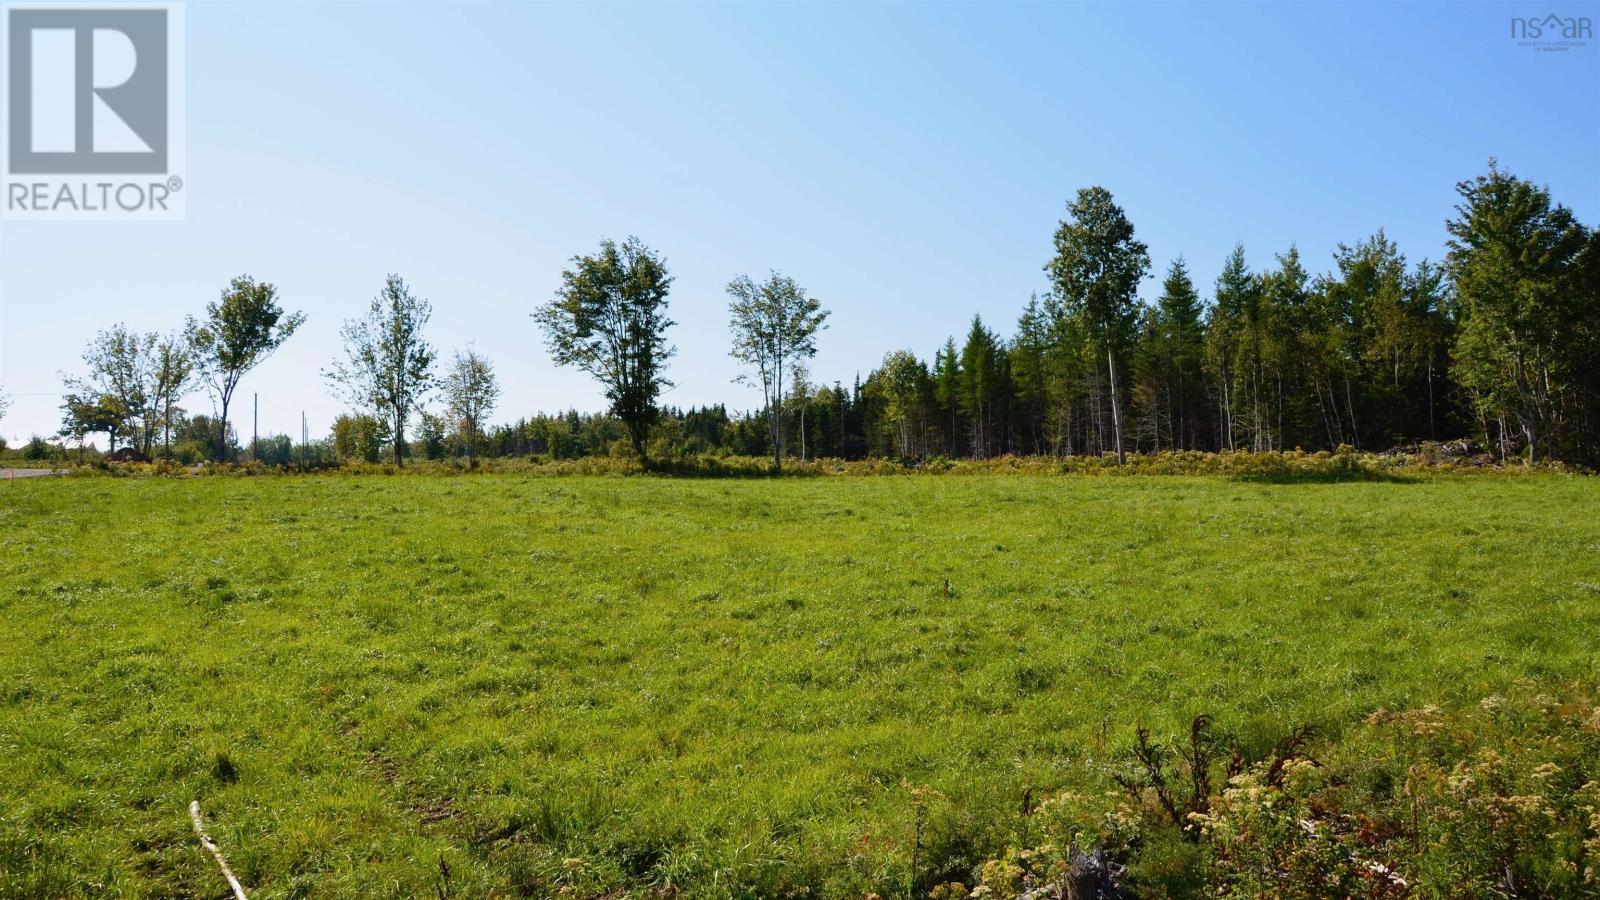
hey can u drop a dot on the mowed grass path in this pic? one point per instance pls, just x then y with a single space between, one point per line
718 686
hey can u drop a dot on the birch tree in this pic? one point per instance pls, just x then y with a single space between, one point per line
471 391
774 325
388 367
172 374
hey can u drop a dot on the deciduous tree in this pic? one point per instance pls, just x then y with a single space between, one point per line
172 374
239 331
117 382
471 391
609 319
388 365
775 325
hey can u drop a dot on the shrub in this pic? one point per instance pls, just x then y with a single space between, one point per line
1500 799
1291 465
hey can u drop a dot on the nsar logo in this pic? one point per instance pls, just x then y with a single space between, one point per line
1552 33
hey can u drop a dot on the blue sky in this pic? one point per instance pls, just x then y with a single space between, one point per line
906 162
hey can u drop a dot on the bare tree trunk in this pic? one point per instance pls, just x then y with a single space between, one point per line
1116 408
1350 404
777 415
399 439
1433 433
772 431
1226 441
222 432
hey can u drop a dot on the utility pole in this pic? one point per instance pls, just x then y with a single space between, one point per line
255 424
305 435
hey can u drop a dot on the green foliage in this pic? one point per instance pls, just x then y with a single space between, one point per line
1169 386
388 369
471 392
1497 799
1529 292
610 320
113 397
359 437
240 330
980 381
902 386
1096 273
775 327
172 374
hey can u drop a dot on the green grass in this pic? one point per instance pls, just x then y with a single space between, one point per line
723 687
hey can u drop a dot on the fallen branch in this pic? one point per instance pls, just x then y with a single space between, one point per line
205 839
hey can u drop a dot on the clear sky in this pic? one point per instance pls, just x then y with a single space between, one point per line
907 163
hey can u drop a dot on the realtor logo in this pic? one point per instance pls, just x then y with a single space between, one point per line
93 95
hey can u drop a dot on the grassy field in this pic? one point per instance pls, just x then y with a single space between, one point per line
501 684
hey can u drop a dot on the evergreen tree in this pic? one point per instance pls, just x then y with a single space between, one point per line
1522 267
1226 357
980 385
1096 272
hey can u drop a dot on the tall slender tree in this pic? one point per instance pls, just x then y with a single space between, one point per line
1096 272
172 374
1179 337
980 384
471 392
388 364
775 325
947 394
1224 334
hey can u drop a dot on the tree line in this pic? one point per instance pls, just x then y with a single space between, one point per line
1498 343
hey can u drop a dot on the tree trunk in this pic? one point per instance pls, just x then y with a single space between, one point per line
1226 442
1350 407
1088 876
1433 432
778 415
772 432
1116 407
399 440
636 437
222 431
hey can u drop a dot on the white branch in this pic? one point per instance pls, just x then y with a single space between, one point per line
205 839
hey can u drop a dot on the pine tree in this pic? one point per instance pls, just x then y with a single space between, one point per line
979 384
